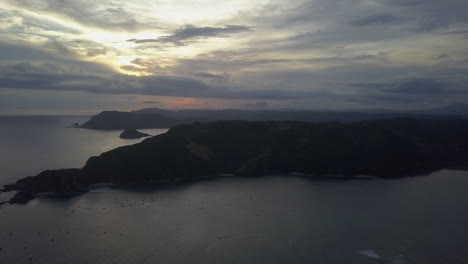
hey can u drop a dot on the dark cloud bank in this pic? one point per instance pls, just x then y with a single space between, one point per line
53 77
190 32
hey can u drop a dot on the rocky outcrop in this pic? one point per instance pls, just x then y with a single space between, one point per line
132 134
60 182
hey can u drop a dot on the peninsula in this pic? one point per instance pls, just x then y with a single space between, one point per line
387 148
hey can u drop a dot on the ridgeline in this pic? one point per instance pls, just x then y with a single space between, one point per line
160 118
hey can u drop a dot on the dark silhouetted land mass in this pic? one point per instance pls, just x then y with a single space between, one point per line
132 134
380 148
115 120
160 118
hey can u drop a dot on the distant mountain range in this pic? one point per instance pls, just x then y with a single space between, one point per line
456 109
449 110
160 118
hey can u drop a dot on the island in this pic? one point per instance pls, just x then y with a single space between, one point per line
132 134
117 120
389 148
161 118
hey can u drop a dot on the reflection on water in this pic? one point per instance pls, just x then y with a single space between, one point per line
29 145
248 220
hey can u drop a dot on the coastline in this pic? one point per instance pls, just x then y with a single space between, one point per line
318 151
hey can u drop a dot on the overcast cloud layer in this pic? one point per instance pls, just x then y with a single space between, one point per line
317 54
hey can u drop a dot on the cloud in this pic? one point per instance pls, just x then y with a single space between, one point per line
58 48
221 67
317 52
428 86
442 57
454 32
150 66
151 102
323 23
190 32
208 75
219 78
378 19
17 52
364 85
257 105
57 77
105 14
96 52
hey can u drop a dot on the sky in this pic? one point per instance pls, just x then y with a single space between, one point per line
85 56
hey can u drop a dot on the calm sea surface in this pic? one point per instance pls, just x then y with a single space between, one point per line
275 219
29 145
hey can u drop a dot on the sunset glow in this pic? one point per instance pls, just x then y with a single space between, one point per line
328 54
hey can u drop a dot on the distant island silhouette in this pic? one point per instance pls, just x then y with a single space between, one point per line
161 118
389 148
132 134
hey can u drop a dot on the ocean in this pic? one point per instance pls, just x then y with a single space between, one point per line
274 219
31 144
